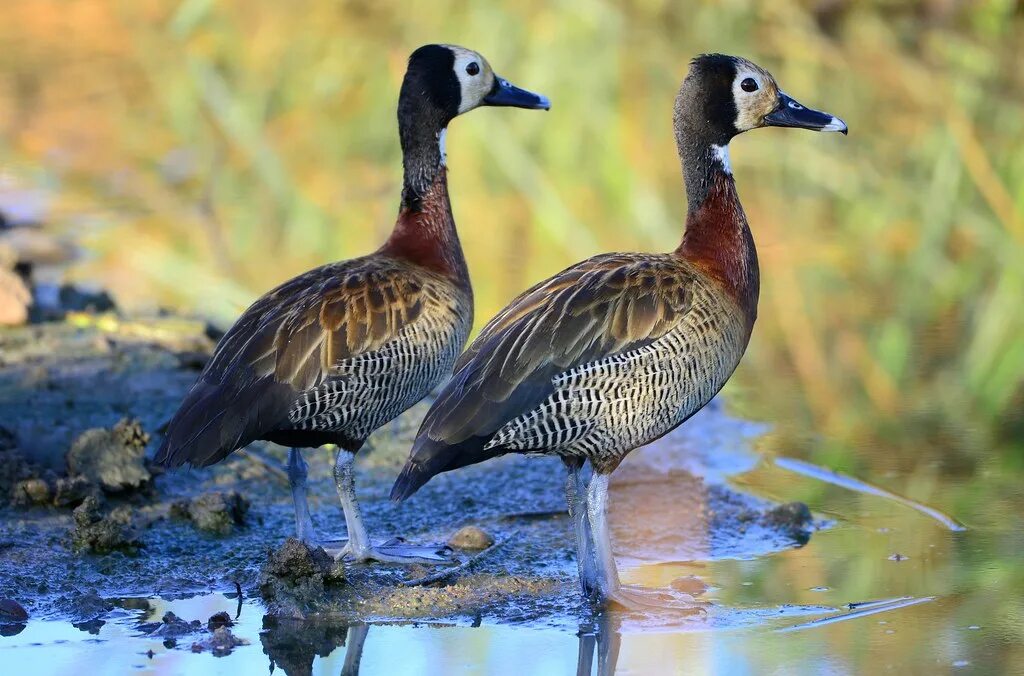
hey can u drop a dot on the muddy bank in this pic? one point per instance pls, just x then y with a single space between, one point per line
137 533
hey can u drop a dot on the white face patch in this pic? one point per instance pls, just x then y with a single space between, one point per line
476 79
722 155
441 137
752 105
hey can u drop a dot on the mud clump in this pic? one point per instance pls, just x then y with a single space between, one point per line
34 491
221 643
11 611
72 491
217 513
217 620
113 459
794 519
297 576
471 537
172 627
13 617
14 468
100 533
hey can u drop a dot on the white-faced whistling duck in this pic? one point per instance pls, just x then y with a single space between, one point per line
618 350
335 353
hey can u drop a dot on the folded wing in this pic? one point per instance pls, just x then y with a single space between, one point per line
603 306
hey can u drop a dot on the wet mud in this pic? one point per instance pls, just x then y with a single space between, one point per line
87 522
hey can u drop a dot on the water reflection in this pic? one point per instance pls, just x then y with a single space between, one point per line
293 644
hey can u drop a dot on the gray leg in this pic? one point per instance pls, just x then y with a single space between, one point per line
359 548
597 509
608 586
344 480
576 498
297 472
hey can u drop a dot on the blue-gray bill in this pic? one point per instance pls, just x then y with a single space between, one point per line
791 113
505 93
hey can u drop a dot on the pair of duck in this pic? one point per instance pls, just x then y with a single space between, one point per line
605 356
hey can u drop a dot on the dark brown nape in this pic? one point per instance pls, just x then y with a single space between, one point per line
425 233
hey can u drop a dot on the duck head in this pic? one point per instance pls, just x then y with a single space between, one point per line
723 96
441 83
726 95
444 81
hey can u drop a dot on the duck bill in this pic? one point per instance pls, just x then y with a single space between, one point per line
504 93
790 113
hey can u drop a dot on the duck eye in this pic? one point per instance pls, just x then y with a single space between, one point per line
748 85
473 68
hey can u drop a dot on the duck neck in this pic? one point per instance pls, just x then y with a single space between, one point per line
717 237
424 232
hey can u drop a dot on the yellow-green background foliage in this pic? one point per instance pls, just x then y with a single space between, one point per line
201 152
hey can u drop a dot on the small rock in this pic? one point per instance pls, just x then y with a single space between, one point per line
172 627
221 619
101 534
217 513
793 518
15 299
92 626
72 491
12 611
112 458
471 537
33 491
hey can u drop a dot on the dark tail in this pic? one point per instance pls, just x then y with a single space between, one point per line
214 421
429 458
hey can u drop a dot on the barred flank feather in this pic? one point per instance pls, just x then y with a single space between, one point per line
328 356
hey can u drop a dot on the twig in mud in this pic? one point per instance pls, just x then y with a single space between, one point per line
238 586
538 515
455 571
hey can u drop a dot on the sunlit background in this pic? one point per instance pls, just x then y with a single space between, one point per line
198 152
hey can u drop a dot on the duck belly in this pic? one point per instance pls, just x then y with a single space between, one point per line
602 410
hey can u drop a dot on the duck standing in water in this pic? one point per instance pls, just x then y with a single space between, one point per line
616 351
335 353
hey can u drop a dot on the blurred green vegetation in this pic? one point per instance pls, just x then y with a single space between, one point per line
203 151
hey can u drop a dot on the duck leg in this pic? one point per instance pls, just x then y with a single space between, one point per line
576 498
359 548
609 588
297 473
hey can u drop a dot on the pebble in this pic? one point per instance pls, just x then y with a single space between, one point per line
471 537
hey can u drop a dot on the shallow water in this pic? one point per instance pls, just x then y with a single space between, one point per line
882 585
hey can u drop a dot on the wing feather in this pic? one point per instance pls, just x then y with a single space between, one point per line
287 342
603 306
